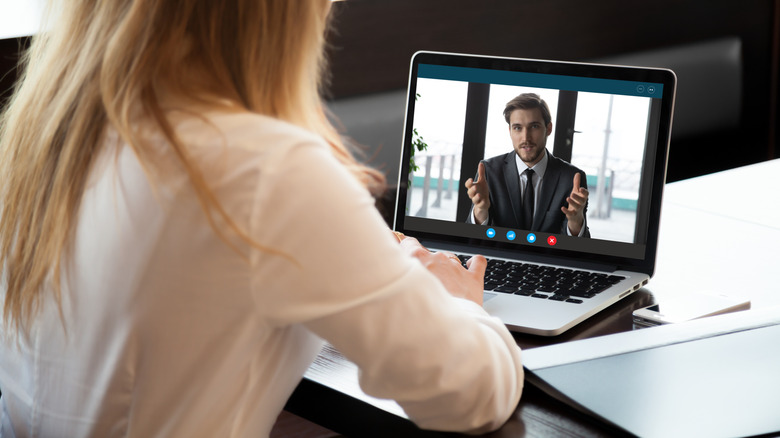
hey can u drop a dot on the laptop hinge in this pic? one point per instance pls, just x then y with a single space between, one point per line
526 257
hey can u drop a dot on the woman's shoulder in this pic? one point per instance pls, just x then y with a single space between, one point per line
243 129
243 146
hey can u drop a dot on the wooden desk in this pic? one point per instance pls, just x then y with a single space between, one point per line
719 233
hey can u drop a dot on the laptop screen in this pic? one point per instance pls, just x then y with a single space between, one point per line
609 125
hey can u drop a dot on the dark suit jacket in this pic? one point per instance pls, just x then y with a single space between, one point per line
504 185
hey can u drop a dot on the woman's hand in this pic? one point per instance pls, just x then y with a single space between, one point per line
459 281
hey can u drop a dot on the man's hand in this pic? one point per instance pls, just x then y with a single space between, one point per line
460 282
479 194
575 213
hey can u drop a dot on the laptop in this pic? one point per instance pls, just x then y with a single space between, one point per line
612 123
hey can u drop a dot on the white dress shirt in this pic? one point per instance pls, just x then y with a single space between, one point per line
538 176
170 332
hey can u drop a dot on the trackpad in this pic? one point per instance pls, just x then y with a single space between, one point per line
487 296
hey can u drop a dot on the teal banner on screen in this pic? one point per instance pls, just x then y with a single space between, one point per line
539 80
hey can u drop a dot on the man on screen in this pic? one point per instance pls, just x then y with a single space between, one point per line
529 188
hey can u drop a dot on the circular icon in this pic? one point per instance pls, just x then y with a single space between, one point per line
640 88
552 240
511 235
651 89
531 237
491 233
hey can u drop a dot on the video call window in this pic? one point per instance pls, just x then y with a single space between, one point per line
607 143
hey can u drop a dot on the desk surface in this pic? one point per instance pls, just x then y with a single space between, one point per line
719 234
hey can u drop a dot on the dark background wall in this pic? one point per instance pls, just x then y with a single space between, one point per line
374 40
10 51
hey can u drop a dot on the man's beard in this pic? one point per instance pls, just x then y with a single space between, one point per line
531 155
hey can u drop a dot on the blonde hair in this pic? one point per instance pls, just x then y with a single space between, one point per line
100 63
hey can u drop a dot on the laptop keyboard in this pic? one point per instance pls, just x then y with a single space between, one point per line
544 282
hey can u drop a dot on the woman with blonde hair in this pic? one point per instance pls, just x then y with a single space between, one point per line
181 227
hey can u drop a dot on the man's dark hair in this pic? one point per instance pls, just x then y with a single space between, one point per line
528 101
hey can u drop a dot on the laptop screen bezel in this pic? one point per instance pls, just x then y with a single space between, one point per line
645 264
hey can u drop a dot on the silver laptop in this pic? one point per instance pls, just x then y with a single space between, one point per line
608 124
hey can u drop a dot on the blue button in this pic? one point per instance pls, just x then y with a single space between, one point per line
511 235
531 237
491 233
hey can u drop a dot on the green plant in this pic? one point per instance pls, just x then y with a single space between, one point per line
418 144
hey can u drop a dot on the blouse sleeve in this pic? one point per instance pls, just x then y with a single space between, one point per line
447 363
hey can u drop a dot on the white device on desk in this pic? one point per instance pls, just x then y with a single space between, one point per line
713 377
688 306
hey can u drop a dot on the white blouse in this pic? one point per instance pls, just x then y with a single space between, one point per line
168 331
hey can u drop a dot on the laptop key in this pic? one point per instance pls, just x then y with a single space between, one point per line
506 289
581 293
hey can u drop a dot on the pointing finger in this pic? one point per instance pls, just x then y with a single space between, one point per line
481 172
